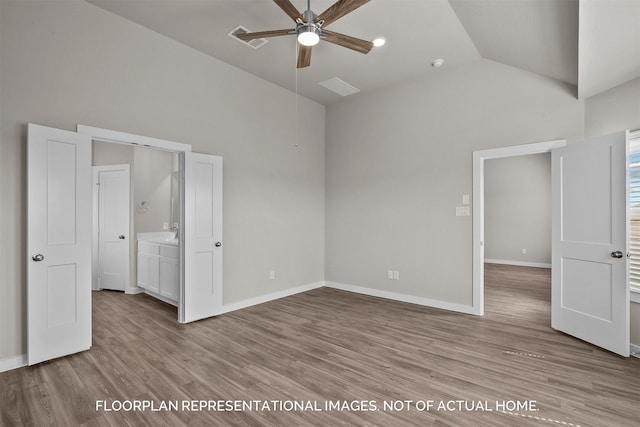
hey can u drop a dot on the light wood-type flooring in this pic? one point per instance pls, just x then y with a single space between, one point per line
330 345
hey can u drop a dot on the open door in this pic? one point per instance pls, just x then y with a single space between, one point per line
201 291
590 294
59 243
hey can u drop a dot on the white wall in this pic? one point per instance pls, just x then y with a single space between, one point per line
69 62
399 160
517 207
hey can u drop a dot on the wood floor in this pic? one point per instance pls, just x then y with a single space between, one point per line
330 345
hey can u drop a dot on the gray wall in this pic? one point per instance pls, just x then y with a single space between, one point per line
152 175
69 62
106 153
517 207
399 160
613 110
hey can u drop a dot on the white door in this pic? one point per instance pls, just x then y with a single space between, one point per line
201 291
112 193
59 243
590 295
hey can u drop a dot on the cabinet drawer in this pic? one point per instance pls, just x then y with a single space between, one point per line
149 248
170 251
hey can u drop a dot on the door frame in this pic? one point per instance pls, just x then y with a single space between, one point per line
95 242
478 206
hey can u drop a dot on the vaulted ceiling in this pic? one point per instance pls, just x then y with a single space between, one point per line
591 45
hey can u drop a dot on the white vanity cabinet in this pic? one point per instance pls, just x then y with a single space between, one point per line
169 268
159 269
149 266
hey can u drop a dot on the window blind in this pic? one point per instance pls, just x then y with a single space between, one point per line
634 210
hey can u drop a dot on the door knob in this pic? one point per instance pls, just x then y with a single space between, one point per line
38 257
616 254
218 244
121 237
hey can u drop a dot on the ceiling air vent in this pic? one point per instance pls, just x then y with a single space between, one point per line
255 43
339 86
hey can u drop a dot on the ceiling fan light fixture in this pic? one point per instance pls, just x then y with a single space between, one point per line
308 35
379 42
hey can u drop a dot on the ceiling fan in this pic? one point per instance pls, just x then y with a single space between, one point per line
310 28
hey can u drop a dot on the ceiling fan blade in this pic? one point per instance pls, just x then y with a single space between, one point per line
339 9
359 45
304 56
288 8
261 34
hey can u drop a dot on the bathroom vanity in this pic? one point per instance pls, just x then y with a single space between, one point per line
159 265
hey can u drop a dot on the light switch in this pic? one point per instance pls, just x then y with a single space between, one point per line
465 199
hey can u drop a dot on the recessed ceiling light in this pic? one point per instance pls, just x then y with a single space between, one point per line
379 42
437 63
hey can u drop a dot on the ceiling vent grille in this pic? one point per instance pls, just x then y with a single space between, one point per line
255 43
339 86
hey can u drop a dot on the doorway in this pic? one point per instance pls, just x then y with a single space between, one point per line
518 236
479 158
143 212
590 291
199 213
60 225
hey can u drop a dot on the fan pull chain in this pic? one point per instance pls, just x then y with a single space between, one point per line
295 49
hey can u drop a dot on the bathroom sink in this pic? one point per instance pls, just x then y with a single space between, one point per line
161 237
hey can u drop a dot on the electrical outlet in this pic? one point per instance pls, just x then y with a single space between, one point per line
389 274
272 275
165 225
524 252
396 275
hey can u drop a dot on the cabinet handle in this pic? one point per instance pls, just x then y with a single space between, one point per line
218 244
121 237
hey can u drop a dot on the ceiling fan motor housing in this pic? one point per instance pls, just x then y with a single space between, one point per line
309 16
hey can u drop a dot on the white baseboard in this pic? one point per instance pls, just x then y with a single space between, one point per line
467 309
269 297
518 263
15 362
634 350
